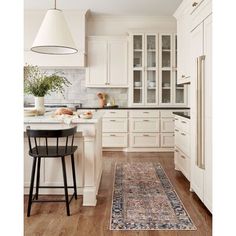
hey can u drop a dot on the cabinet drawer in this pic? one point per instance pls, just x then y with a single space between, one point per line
144 140
167 125
144 113
114 125
182 123
114 140
183 163
167 114
115 113
182 141
144 125
167 140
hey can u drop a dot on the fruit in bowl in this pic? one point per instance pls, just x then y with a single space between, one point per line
86 115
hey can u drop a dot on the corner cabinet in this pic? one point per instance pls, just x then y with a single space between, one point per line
154 82
107 62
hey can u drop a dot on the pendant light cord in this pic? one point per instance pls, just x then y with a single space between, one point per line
55 4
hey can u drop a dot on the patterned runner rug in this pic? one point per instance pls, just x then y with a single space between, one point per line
144 199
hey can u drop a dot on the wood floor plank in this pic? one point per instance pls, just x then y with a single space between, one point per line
51 219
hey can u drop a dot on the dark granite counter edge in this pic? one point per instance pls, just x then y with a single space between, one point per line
134 108
182 114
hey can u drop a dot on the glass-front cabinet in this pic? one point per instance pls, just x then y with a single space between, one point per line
153 81
170 93
144 69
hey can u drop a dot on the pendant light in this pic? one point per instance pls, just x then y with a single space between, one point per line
54 36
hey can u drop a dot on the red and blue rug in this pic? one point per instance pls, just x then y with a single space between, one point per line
144 199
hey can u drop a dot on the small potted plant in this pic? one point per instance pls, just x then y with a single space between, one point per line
39 84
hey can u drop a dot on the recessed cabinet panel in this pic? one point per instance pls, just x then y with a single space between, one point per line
167 125
114 125
167 140
138 86
144 125
115 140
144 140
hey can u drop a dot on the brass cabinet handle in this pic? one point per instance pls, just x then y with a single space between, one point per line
176 119
146 135
182 76
176 130
182 121
194 4
146 112
112 135
113 120
113 112
146 120
176 150
183 134
183 156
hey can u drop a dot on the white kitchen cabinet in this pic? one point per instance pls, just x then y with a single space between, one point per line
77 23
144 69
145 140
201 142
114 125
167 125
182 15
167 139
182 145
115 140
144 125
107 62
170 93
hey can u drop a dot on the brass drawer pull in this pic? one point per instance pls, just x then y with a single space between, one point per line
112 112
112 135
194 4
146 120
113 120
184 122
176 150
183 134
176 130
146 135
183 156
146 112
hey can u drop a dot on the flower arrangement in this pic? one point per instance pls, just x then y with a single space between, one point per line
39 83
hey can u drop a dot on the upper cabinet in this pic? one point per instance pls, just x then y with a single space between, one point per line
77 23
143 69
154 82
183 31
107 62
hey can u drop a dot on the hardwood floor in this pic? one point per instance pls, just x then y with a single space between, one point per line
51 220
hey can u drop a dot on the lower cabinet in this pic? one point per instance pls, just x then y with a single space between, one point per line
140 130
182 145
115 140
144 140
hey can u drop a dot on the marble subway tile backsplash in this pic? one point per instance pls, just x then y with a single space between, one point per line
78 93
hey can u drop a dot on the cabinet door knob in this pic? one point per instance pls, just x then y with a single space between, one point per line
194 4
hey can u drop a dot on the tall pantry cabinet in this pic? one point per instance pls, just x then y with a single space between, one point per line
201 104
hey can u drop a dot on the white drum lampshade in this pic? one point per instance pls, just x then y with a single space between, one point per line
54 36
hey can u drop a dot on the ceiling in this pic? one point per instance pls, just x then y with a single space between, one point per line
112 7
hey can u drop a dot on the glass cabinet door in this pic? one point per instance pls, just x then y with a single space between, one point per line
138 69
179 95
166 68
151 69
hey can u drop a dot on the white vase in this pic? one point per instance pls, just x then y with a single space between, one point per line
39 105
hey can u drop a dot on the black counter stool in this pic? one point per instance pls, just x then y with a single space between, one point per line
47 151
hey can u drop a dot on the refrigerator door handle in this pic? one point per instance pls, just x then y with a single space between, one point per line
200 161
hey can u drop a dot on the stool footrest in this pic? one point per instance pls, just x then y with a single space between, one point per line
55 187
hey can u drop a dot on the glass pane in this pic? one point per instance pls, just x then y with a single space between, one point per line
166 50
151 59
138 59
137 87
151 86
166 87
165 59
166 44
179 92
151 42
138 42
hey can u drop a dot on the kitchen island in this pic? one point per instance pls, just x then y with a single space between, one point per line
88 157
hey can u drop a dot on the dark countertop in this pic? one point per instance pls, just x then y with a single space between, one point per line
183 114
134 108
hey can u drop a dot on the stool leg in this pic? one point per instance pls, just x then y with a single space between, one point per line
73 173
31 186
65 185
38 178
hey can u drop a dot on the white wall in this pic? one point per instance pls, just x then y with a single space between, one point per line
121 25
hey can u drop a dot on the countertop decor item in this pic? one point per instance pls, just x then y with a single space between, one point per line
40 84
144 199
54 36
101 99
